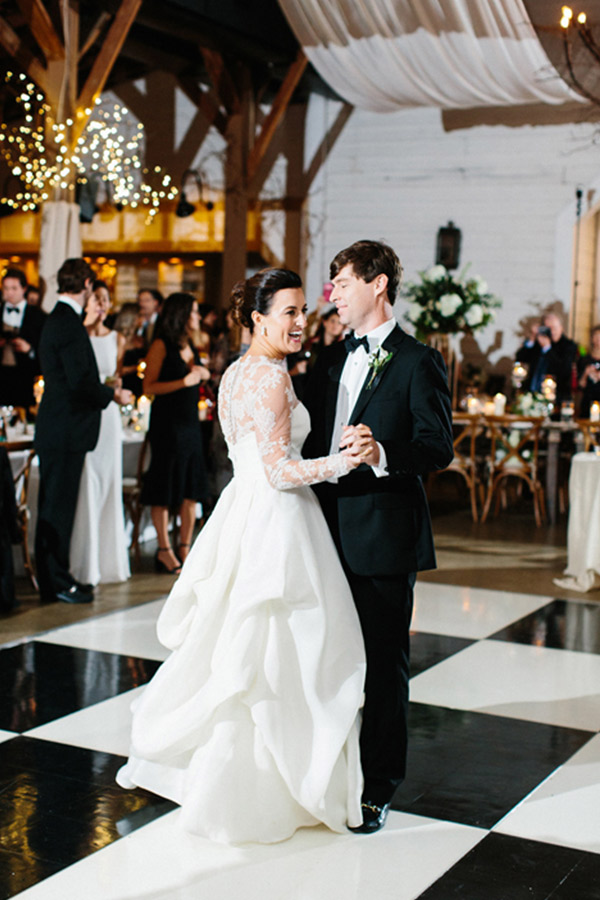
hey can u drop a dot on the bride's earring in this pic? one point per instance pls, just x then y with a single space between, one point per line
263 331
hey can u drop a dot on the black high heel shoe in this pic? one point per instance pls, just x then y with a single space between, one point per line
161 567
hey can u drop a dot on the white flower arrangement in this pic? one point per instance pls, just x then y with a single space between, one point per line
446 304
377 360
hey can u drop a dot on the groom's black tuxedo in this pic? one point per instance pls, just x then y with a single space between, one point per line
68 425
381 526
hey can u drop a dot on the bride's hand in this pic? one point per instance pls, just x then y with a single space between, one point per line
359 441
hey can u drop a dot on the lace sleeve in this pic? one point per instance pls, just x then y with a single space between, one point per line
272 415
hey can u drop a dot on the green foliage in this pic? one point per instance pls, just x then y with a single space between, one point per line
446 304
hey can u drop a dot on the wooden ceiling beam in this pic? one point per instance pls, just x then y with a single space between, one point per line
203 101
94 34
221 80
42 28
111 47
276 113
13 45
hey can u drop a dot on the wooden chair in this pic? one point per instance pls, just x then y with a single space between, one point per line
132 489
589 430
21 481
466 429
514 453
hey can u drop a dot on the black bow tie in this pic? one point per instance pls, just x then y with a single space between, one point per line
352 343
13 310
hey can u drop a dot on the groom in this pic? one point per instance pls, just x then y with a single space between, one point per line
385 394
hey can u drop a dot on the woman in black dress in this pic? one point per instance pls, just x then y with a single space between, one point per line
176 479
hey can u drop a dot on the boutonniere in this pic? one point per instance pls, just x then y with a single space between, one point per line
378 360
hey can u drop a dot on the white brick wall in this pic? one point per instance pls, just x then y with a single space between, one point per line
511 191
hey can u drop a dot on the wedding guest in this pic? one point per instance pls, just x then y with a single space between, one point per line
99 544
149 305
588 370
33 295
176 480
19 340
68 424
132 352
548 351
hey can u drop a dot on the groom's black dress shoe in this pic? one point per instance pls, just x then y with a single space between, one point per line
374 817
86 588
74 595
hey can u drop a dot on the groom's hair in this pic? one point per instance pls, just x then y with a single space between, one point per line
368 260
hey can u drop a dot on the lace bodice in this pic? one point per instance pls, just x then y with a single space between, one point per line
256 398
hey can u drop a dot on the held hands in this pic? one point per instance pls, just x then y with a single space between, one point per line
123 396
196 375
359 444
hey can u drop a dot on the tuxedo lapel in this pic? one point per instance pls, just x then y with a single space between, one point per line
333 384
391 345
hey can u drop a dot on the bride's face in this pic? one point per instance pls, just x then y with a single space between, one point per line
284 323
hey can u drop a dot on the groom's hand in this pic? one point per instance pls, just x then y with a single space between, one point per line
359 439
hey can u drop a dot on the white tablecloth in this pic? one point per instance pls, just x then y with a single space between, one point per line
583 536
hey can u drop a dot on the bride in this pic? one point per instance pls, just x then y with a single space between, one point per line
251 724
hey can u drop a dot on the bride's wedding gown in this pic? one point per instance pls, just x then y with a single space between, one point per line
251 724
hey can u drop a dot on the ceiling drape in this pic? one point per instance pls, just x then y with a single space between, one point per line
384 55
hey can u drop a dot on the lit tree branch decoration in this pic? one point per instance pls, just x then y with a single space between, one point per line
578 25
39 153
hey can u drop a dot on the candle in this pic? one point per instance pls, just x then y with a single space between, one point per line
595 412
472 405
499 404
143 406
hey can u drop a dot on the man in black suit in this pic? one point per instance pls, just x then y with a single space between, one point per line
68 425
387 394
19 339
548 351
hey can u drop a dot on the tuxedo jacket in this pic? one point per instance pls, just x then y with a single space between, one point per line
383 523
74 397
27 365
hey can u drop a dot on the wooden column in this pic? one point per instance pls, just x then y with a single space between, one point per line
236 194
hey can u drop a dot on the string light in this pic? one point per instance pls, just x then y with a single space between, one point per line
111 149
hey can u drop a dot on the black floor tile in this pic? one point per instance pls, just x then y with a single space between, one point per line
508 868
428 649
473 768
42 682
19 871
58 804
562 624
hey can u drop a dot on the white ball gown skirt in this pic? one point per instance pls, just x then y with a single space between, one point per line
252 723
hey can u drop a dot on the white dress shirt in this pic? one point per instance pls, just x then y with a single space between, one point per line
12 315
75 306
352 379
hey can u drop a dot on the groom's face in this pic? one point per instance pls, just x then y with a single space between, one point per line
354 298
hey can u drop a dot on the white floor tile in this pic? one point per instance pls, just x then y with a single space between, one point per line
559 687
160 862
104 726
468 612
563 809
131 632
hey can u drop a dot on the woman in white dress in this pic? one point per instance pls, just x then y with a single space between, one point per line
251 724
99 543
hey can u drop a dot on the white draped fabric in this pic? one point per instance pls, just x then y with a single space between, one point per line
384 55
60 239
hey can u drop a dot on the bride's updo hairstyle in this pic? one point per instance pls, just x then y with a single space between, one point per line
256 294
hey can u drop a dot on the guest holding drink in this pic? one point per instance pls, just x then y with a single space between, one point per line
588 371
98 542
176 480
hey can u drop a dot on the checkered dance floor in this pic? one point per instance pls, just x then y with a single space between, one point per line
502 800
